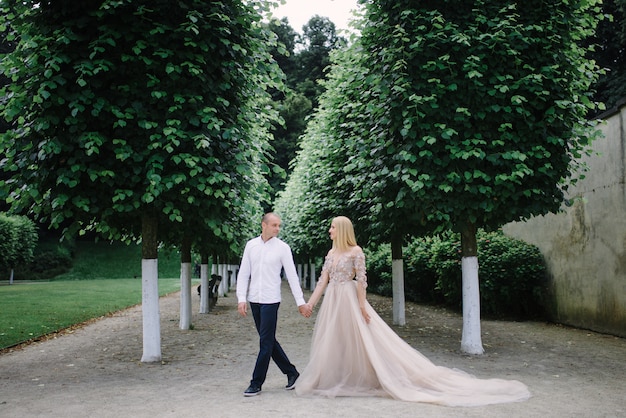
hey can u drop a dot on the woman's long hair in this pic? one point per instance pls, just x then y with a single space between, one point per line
344 234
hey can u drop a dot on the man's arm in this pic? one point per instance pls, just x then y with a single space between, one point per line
243 280
292 276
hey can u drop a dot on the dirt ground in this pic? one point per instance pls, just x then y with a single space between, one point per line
95 370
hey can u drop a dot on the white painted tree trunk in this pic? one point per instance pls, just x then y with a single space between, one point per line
397 279
11 277
305 272
313 276
185 296
150 311
204 288
471 342
233 276
223 288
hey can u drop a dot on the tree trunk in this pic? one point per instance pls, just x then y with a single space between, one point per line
185 284
397 274
204 284
222 269
215 268
313 280
471 342
150 290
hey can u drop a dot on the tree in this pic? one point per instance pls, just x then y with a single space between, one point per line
465 114
5 48
303 59
18 237
319 38
285 48
610 53
130 117
485 111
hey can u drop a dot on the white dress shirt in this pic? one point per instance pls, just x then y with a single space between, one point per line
259 278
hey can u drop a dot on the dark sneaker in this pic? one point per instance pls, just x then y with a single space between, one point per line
252 391
291 381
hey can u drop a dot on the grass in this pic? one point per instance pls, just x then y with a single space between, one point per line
105 278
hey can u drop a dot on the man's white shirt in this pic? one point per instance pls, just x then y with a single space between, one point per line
259 278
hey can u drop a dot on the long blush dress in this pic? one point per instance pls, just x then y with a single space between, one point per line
350 357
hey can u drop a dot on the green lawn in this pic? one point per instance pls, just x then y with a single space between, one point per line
105 278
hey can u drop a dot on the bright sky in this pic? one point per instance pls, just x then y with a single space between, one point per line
298 12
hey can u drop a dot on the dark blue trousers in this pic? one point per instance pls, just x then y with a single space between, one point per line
265 319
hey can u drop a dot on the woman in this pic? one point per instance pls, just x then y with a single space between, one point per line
355 353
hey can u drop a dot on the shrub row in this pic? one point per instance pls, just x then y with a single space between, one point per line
51 259
512 274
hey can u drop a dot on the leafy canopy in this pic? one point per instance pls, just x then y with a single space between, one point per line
120 108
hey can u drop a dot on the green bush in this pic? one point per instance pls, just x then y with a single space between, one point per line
50 258
379 269
420 270
512 274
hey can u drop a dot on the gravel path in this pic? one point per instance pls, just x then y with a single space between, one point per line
95 370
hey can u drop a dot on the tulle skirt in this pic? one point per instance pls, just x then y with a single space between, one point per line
352 358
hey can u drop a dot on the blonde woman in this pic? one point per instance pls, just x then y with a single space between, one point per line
355 353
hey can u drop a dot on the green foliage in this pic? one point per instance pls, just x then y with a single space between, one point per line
513 274
319 39
122 108
445 262
317 189
610 43
304 59
48 262
18 237
429 259
379 279
447 115
89 260
473 121
114 260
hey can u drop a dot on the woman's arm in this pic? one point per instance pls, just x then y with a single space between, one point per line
319 290
321 285
361 282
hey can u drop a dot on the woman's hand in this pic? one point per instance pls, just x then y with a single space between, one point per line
366 316
305 310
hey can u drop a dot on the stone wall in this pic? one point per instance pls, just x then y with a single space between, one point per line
585 245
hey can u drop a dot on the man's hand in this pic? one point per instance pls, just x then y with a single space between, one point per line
242 307
305 310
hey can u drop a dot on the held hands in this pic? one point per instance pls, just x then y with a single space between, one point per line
305 310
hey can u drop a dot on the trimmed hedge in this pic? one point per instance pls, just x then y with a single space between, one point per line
513 275
52 258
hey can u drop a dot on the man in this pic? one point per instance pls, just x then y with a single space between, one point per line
259 282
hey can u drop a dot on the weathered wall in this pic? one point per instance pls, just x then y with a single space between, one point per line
585 246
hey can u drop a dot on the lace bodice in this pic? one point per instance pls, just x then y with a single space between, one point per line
346 267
